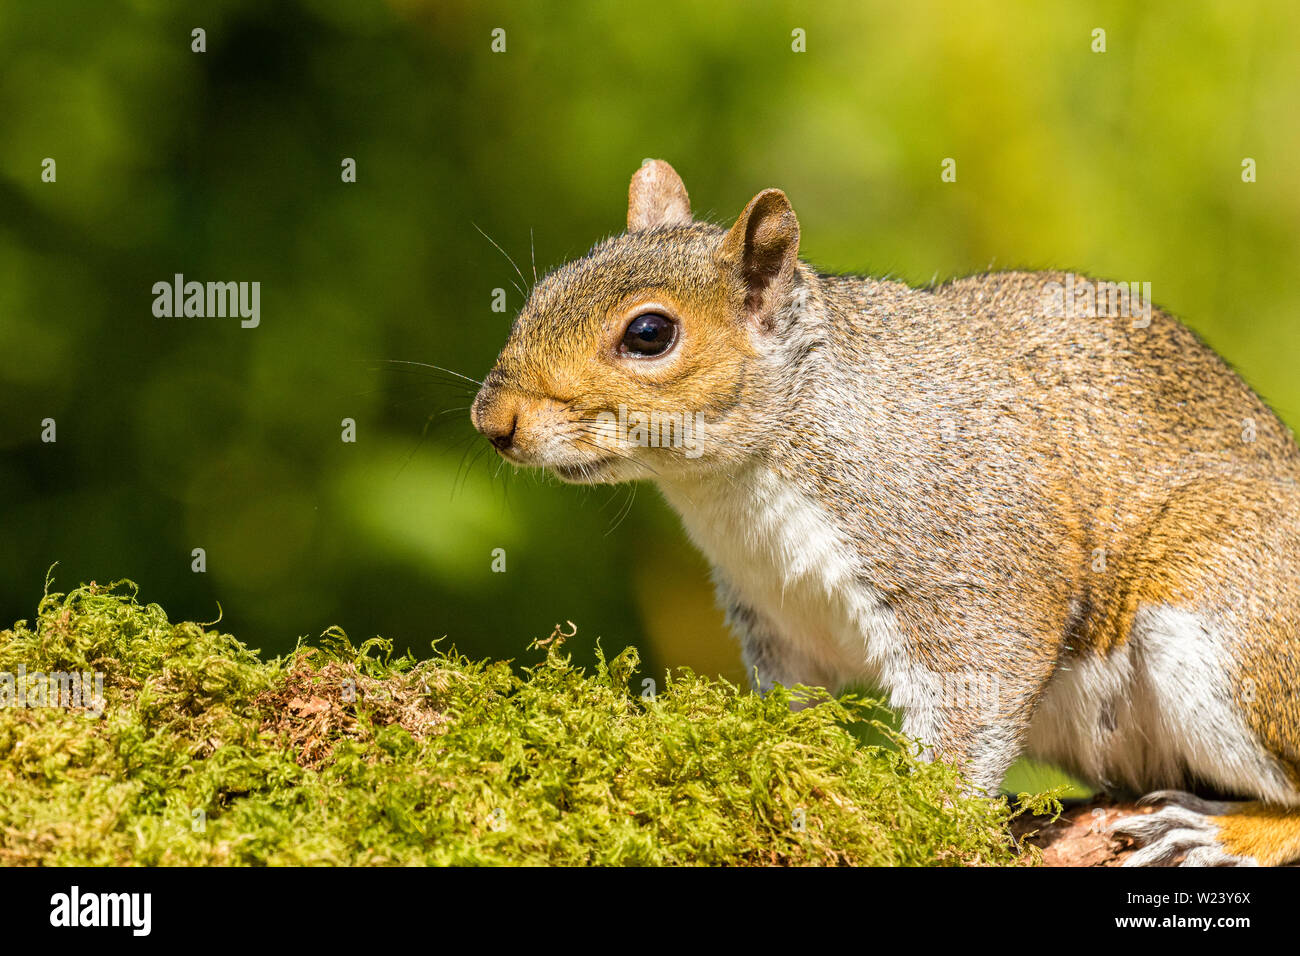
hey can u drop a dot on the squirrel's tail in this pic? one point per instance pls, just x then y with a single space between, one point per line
1212 833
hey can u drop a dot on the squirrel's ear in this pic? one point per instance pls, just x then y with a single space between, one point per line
763 248
657 198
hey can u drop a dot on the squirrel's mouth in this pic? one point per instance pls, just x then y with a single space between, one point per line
582 472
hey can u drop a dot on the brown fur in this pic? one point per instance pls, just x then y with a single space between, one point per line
1269 835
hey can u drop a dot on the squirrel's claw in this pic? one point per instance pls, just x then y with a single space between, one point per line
1186 827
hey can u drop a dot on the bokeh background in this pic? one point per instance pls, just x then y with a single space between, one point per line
225 165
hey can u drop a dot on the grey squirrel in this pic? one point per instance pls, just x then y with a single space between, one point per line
1070 536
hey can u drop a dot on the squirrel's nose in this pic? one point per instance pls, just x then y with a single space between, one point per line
497 418
504 437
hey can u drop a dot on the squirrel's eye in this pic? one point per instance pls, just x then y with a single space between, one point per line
649 334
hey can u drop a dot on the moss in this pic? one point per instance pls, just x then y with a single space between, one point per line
207 754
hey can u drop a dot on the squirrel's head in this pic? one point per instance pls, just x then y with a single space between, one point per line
639 359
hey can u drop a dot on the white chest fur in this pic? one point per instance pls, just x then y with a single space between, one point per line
784 559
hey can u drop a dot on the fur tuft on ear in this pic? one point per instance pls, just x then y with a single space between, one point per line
657 198
763 248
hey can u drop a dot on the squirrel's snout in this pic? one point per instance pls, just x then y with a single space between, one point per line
525 428
496 416
504 437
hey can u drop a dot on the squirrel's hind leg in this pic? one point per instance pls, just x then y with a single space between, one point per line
1190 831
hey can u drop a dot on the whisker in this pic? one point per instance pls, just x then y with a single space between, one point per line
422 375
464 480
469 447
627 510
427 365
508 259
532 251
424 433
417 383
617 454
445 411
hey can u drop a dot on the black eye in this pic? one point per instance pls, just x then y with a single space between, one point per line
649 334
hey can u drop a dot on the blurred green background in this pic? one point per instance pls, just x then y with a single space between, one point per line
225 165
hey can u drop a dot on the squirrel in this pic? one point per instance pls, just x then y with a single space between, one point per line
1041 531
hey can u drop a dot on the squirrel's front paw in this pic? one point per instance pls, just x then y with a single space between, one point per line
1189 828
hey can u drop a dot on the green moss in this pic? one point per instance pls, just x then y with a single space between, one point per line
205 753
